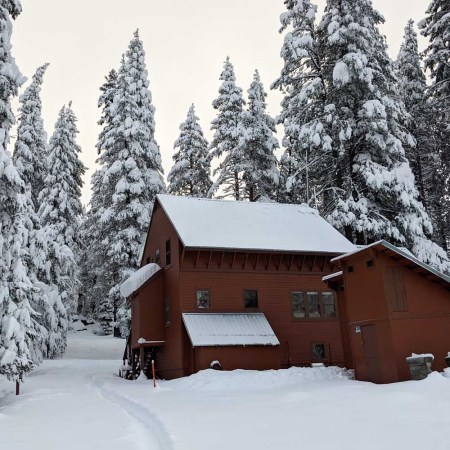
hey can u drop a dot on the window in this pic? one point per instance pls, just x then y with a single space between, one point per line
157 257
329 305
298 305
350 269
370 263
313 305
318 352
203 299
167 310
250 298
168 252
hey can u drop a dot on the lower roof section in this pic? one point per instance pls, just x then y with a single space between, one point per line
229 329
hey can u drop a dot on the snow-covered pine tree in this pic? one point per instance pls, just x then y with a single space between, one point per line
132 177
16 289
30 150
437 61
412 84
94 287
190 174
303 87
257 144
59 213
351 130
224 144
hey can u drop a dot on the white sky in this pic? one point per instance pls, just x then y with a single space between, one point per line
186 42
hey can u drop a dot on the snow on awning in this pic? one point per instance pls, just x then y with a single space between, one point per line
140 277
332 275
224 329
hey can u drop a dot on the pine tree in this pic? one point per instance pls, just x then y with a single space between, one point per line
351 130
190 175
303 87
31 144
437 61
257 144
16 290
94 287
225 141
412 90
59 213
132 177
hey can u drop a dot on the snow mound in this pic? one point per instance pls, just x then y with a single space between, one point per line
135 281
214 380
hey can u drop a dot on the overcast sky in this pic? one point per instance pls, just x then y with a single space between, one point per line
186 42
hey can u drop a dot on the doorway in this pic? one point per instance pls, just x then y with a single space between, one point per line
371 353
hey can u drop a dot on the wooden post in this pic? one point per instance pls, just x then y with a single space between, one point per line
141 359
153 373
17 388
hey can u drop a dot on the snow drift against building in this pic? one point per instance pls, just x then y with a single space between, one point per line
140 277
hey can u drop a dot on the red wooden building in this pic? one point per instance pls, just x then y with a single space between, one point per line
390 306
248 285
240 283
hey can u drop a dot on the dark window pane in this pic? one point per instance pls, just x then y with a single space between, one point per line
168 252
298 305
329 304
313 304
318 352
203 299
251 299
350 269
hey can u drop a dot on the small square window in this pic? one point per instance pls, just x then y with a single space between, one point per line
250 298
313 304
298 305
203 299
318 352
350 269
329 305
370 263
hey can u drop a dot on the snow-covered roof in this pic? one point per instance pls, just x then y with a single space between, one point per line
400 251
332 275
223 329
140 277
221 224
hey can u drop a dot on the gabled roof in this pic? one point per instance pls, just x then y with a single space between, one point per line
229 329
220 224
405 257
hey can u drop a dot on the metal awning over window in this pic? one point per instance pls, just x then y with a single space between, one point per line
229 329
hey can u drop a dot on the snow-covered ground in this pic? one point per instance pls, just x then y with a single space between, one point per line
79 403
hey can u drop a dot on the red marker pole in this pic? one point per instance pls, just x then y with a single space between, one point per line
153 373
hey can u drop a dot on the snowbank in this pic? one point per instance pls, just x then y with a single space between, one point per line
135 281
213 380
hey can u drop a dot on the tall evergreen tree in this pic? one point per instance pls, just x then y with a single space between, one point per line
31 144
225 141
356 161
132 177
412 90
437 61
190 174
303 87
257 144
16 290
59 213
94 287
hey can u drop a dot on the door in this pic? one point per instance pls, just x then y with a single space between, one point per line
371 353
